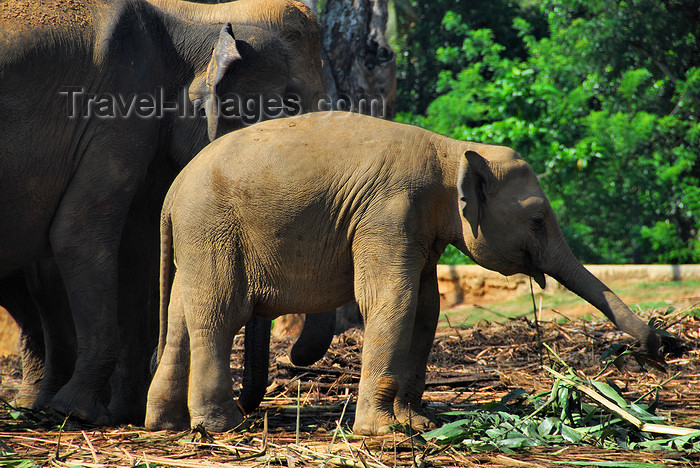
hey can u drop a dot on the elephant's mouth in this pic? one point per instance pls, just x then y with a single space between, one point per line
539 279
532 271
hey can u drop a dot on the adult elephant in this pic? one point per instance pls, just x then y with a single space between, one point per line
47 340
89 150
262 226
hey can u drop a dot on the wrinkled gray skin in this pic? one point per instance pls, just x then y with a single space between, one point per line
49 348
305 214
87 191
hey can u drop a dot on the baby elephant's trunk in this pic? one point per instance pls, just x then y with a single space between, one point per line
563 266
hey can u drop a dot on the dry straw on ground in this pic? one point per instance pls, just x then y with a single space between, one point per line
467 367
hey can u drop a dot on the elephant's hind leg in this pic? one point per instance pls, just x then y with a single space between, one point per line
46 287
85 234
213 317
167 396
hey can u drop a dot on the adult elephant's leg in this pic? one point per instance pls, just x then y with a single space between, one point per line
256 363
49 294
387 297
85 236
15 297
348 316
32 371
167 396
138 300
315 338
137 306
407 406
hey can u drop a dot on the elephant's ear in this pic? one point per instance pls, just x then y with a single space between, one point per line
476 182
202 91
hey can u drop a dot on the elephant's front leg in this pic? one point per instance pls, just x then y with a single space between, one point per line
407 405
389 307
166 406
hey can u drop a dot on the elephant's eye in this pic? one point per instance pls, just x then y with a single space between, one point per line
537 222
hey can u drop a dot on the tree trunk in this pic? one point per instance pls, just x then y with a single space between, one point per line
360 66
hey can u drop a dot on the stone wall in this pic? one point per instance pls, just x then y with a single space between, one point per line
460 283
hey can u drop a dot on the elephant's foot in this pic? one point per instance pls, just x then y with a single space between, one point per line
30 389
414 416
130 383
82 405
373 423
32 380
159 418
166 410
43 400
51 385
128 402
375 406
218 418
166 404
26 396
127 410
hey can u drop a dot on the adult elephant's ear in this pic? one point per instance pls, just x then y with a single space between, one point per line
476 181
202 91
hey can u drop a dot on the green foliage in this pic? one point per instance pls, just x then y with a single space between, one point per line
24 463
452 256
604 105
421 34
564 415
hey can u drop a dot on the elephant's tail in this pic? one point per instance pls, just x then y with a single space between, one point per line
166 264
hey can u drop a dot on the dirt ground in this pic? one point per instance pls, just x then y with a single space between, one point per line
468 367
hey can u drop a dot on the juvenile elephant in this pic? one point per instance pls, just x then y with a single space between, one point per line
100 105
306 213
